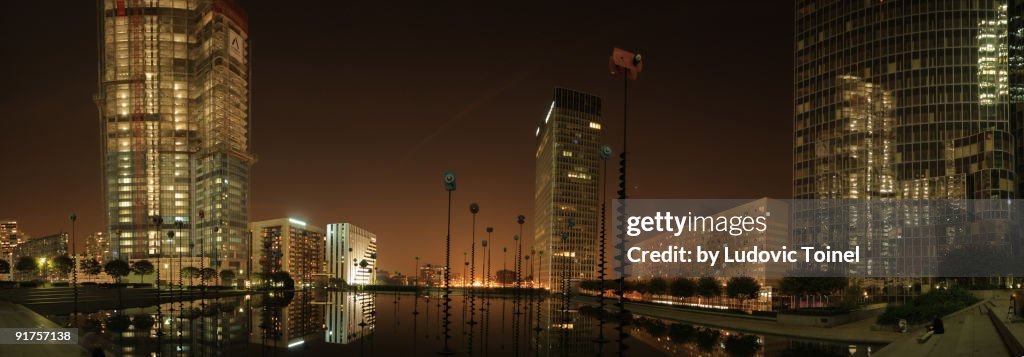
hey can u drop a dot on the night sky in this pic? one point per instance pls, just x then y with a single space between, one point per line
359 107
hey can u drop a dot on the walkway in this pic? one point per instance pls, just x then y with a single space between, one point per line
855 332
968 333
14 315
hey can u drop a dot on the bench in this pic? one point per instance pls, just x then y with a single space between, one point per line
925 336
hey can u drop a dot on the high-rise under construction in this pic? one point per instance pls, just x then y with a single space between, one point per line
173 99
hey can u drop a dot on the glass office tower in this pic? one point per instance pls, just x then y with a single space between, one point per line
567 188
173 100
903 100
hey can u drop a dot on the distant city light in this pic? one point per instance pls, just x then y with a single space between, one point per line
295 221
296 343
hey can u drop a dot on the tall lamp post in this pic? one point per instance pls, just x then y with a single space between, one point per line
449 186
630 64
177 246
416 290
74 263
606 154
487 270
170 283
519 254
473 209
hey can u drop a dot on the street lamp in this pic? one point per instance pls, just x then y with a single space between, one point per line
74 265
606 154
473 209
42 264
521 219
449 186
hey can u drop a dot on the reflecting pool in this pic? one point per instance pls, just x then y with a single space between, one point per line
340 323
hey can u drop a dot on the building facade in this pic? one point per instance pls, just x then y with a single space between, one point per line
351 254
173 102
906 100
566 189
48 247
97 246
10 237
288 245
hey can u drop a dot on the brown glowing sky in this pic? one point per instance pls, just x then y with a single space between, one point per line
359 108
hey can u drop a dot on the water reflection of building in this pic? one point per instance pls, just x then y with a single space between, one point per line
287 320
566 331
218 327
349 316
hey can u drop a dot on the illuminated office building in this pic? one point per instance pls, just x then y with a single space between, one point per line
288 245
10 237
173 102
47 247
97 246
567 174
911 100
351 254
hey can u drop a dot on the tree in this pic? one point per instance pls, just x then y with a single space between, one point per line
142 268
189 272
5 267
226 276
708 287
742 345
742 288
811 285
117 269
657 285
26 265
91 267
280 280
208 273
64 265
683 287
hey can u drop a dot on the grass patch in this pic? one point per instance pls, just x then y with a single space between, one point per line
928 305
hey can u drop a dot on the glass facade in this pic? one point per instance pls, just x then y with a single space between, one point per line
904 100
567 188
938 73
173 104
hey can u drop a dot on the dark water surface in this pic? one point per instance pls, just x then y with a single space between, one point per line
320 323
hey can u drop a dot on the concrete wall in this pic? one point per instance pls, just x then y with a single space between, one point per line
869 311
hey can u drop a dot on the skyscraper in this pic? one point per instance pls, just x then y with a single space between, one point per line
932 73
173 103
566 188
909 100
